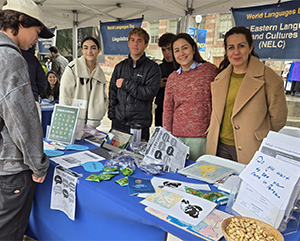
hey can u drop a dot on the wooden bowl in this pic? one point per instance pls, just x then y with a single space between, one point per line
266 227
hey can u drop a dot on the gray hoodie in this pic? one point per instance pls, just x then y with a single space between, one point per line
21 135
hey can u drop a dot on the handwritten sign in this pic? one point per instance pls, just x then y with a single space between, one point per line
272 178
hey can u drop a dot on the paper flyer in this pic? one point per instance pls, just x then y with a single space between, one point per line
184 206
77 159
165 149
209 228
63 196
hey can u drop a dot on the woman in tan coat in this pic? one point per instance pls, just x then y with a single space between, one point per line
248 101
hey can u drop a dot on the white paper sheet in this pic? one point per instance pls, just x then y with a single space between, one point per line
184 206
76 159
158 182
165 149
271 177
63 196
252 204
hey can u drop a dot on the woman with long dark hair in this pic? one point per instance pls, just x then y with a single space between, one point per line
248 100
83 84
187 103
52 90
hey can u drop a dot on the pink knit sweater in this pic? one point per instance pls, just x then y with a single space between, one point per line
187 103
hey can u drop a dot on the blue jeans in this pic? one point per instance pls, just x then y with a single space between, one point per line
16 195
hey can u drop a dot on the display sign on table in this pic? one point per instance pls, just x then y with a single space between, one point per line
63 124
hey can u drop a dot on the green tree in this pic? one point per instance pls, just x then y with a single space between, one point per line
64 39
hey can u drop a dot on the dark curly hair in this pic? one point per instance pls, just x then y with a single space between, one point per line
237 30
165 39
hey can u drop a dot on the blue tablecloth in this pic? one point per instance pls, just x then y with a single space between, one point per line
46 116
104 211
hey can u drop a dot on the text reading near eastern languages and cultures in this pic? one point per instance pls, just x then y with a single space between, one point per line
275 35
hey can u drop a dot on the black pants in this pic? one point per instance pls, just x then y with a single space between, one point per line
16 195
115 124
158 116
226 151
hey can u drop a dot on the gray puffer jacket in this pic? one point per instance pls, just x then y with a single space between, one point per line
21 135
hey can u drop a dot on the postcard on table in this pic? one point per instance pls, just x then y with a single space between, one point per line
209 228
184 206
159 182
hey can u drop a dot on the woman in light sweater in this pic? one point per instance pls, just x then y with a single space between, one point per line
187 104
83 84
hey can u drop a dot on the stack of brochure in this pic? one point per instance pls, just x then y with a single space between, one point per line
270 182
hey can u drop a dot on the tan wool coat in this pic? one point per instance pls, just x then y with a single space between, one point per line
260 106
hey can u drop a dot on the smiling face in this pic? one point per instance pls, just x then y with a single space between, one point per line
52 79
90 50
27 37
238 51
137 46
183 53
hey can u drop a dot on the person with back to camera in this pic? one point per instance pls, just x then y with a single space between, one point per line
248 100
83 84
36 73
166 68
22 159
187 104
52 90
59 62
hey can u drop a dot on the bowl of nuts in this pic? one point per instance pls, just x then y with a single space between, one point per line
249 229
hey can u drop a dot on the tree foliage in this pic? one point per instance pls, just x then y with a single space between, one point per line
64 40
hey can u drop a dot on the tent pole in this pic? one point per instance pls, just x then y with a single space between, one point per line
75 34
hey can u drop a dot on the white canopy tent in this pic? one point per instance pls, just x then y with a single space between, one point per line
83 13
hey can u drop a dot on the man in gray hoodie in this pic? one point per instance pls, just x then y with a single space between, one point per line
22 160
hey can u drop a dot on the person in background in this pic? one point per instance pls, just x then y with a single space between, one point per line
133 85
83 84
59 62
248 100
22 159
166 69
187 104
36 73
48 64
52 91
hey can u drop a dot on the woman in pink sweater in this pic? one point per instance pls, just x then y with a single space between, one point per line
187 104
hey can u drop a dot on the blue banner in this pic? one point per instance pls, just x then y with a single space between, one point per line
114 36
201 37
44 44
275 29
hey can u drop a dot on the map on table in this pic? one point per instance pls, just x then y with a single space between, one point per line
164 198
209 228
206 171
